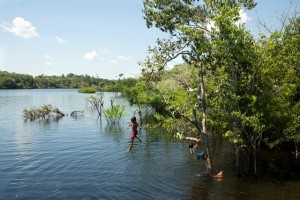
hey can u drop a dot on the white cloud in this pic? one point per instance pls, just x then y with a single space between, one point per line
243 17
47 62
60 40
91 56
105 51
114 61
20 27
123 58
48 59
119 58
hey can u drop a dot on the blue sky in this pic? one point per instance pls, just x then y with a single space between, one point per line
96 37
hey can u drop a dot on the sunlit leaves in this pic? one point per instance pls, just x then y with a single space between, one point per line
114 114
252 86
280 69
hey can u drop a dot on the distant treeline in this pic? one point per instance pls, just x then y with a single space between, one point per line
10 80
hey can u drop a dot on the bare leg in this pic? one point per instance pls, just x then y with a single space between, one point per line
130 147
138 138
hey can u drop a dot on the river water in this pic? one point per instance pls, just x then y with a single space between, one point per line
85 158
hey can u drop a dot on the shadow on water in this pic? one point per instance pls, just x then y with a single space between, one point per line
233 187
84 158
116 132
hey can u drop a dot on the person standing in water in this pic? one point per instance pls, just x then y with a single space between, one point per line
134 125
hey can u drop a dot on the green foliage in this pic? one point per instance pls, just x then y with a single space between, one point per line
252 86
16 81
177 126
280 69
176 96
114 114
233 137
87 90
226 53
137 94
292 131
84 82
120 85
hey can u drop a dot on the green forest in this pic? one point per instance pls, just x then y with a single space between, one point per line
231 85
11 80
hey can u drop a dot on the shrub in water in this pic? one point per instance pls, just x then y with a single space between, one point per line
114 114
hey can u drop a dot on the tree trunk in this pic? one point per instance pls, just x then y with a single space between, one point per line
296 149
254 159
202 106
140 115
205 144
242 160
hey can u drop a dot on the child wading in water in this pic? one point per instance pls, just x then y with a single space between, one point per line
134 132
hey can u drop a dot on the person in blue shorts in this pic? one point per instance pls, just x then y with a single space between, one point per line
193 150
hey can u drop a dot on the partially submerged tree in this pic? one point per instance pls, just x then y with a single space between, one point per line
244 89
187 22
96 101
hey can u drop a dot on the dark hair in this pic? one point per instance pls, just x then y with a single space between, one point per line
133 119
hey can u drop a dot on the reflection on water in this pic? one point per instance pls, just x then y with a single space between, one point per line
83 158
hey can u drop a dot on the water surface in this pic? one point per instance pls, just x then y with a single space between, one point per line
85 158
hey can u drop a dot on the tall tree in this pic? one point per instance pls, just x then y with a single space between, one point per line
186 22
280 68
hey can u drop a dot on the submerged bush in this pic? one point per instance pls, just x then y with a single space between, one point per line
44 112
114 114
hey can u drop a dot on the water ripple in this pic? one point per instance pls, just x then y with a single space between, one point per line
85 159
